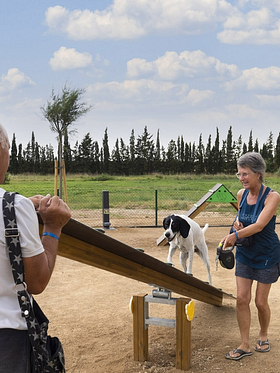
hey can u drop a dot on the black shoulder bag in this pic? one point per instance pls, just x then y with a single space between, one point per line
47 354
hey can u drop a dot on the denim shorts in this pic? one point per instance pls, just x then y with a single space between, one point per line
265 276
14 351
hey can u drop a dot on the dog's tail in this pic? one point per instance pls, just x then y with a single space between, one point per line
205 228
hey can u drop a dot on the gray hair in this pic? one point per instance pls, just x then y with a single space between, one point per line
4 139
254 161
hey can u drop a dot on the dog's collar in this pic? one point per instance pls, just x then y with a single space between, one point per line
171 238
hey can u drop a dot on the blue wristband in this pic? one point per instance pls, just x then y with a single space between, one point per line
50 234
235 233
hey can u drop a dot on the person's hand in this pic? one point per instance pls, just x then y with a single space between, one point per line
54 212
228 241
237 225
36 200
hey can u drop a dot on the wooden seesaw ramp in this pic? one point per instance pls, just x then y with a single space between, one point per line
86 245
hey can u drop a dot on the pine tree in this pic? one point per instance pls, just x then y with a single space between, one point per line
208 156
106 152
216 156
199 167
13 168
277 153
230 161
250 142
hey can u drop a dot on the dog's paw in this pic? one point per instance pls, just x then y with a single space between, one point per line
170 264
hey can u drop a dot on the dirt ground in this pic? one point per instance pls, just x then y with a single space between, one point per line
89 311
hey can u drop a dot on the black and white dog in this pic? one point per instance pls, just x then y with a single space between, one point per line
185 234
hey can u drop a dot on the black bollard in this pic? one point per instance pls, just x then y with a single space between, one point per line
105 203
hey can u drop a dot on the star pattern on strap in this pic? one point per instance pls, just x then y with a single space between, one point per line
12 223
9 205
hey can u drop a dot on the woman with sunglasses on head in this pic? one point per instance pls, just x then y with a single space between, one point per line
260 261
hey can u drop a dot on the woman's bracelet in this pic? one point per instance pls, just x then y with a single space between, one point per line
51 235
235 233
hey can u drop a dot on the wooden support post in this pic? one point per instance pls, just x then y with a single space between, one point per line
64 182
183 336
140 333
55 177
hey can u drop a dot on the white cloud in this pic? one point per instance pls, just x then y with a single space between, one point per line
259 26
14 79
196 97
256 79
69 58
269 101
187 64
126 19
243 111
143 90
87 25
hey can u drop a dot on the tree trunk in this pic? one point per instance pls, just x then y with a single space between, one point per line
60 168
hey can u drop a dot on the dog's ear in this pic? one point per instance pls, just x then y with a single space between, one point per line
166 222
184 228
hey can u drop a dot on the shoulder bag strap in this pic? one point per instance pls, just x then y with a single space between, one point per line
15 256
244 195
12 237
257 203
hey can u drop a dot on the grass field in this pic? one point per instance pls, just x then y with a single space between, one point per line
136 189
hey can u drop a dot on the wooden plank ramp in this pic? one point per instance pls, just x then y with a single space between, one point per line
86 245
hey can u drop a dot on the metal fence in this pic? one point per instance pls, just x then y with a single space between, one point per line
150 212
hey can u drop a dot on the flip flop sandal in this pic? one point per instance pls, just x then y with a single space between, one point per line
240 352
263 343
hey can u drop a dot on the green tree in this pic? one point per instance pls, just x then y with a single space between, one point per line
132 152
85 154
124 153
256 146
216 154
250 142
62 111
106 152
277 153
116 158
96 167
199 161
268 154
67 154
37 158
144 152
238 149
208 156
20 158
230 153
13 168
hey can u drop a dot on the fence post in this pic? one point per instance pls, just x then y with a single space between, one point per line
105 205
156 207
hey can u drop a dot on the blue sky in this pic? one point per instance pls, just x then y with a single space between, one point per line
183 67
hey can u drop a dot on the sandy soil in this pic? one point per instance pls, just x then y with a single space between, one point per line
89 311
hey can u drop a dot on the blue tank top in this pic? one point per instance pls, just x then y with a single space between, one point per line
265 250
